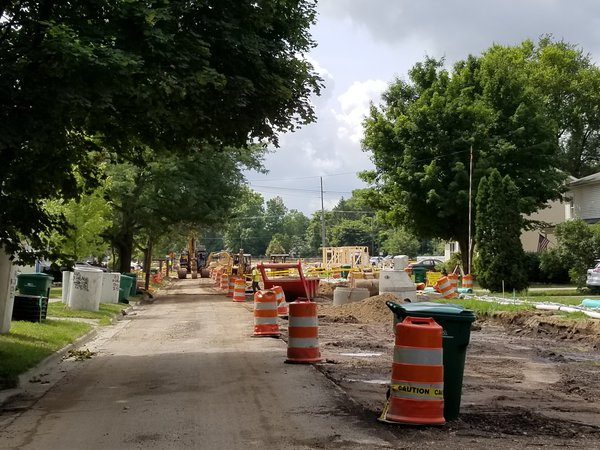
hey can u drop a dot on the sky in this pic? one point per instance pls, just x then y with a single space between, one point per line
364 45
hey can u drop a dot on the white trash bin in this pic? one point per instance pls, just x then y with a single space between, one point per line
110 287
66 286
8 284
86 288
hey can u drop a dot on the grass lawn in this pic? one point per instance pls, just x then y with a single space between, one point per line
28 343
56 292
481 307
104 315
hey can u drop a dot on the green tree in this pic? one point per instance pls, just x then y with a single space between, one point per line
351 233
197 190
578 245
570 83
123 76
275 212
400 242
422 134
245 227
500 262
298 247
87 218
275 246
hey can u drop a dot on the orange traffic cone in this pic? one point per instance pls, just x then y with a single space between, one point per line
417 386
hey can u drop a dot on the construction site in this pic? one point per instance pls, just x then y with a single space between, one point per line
314 361
530 377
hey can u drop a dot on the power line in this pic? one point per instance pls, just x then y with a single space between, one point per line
304 178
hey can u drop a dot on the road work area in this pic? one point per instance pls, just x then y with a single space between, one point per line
185 372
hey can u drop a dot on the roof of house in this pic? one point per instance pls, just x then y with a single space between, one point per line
590 179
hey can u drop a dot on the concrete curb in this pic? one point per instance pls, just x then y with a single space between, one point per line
7 395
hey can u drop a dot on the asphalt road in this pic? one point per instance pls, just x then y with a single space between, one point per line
185 373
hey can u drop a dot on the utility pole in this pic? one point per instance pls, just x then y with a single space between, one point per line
470 207
323 236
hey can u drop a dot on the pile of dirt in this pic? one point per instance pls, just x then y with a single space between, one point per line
548 323
326 288
369 310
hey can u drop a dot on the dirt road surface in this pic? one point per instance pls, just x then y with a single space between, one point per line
184 372
531 380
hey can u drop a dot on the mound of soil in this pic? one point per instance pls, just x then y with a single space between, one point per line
369 310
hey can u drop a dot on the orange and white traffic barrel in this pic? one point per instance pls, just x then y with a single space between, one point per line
282 306
239 290
303 332
453 277
416 393
224 282
265 314
230 286
467 281
444 286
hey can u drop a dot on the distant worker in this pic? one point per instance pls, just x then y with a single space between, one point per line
255 279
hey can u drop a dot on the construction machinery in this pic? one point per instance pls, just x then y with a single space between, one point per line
291 278
193 260
242 264
239 264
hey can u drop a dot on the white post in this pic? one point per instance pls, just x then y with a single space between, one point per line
7 291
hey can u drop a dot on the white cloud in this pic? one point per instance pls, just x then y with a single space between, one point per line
364 44
354 106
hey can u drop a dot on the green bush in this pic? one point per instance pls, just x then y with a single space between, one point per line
532 267
554 266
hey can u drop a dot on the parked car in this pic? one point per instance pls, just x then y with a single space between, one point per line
375 260
433 265
593 278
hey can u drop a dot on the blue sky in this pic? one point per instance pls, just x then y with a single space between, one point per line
363 45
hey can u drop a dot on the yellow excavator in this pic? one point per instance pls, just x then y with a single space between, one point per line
231 263
193 260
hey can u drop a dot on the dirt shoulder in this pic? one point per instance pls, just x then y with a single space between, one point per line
531 379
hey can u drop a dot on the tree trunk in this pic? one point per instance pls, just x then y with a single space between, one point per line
125 250
147 263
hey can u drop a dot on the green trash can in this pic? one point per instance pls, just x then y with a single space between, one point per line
125 288
420 274
345 270
134 284
34 284
456 322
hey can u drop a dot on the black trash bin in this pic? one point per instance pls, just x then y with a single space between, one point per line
456 322
31 308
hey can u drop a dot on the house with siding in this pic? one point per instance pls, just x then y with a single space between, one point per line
581 201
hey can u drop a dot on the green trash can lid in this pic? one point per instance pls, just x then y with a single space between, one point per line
449 311
34 275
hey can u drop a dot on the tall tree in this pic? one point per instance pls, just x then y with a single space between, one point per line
87 218
126 75
245 226
570 84
422 134
197 190
274 215
500 262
